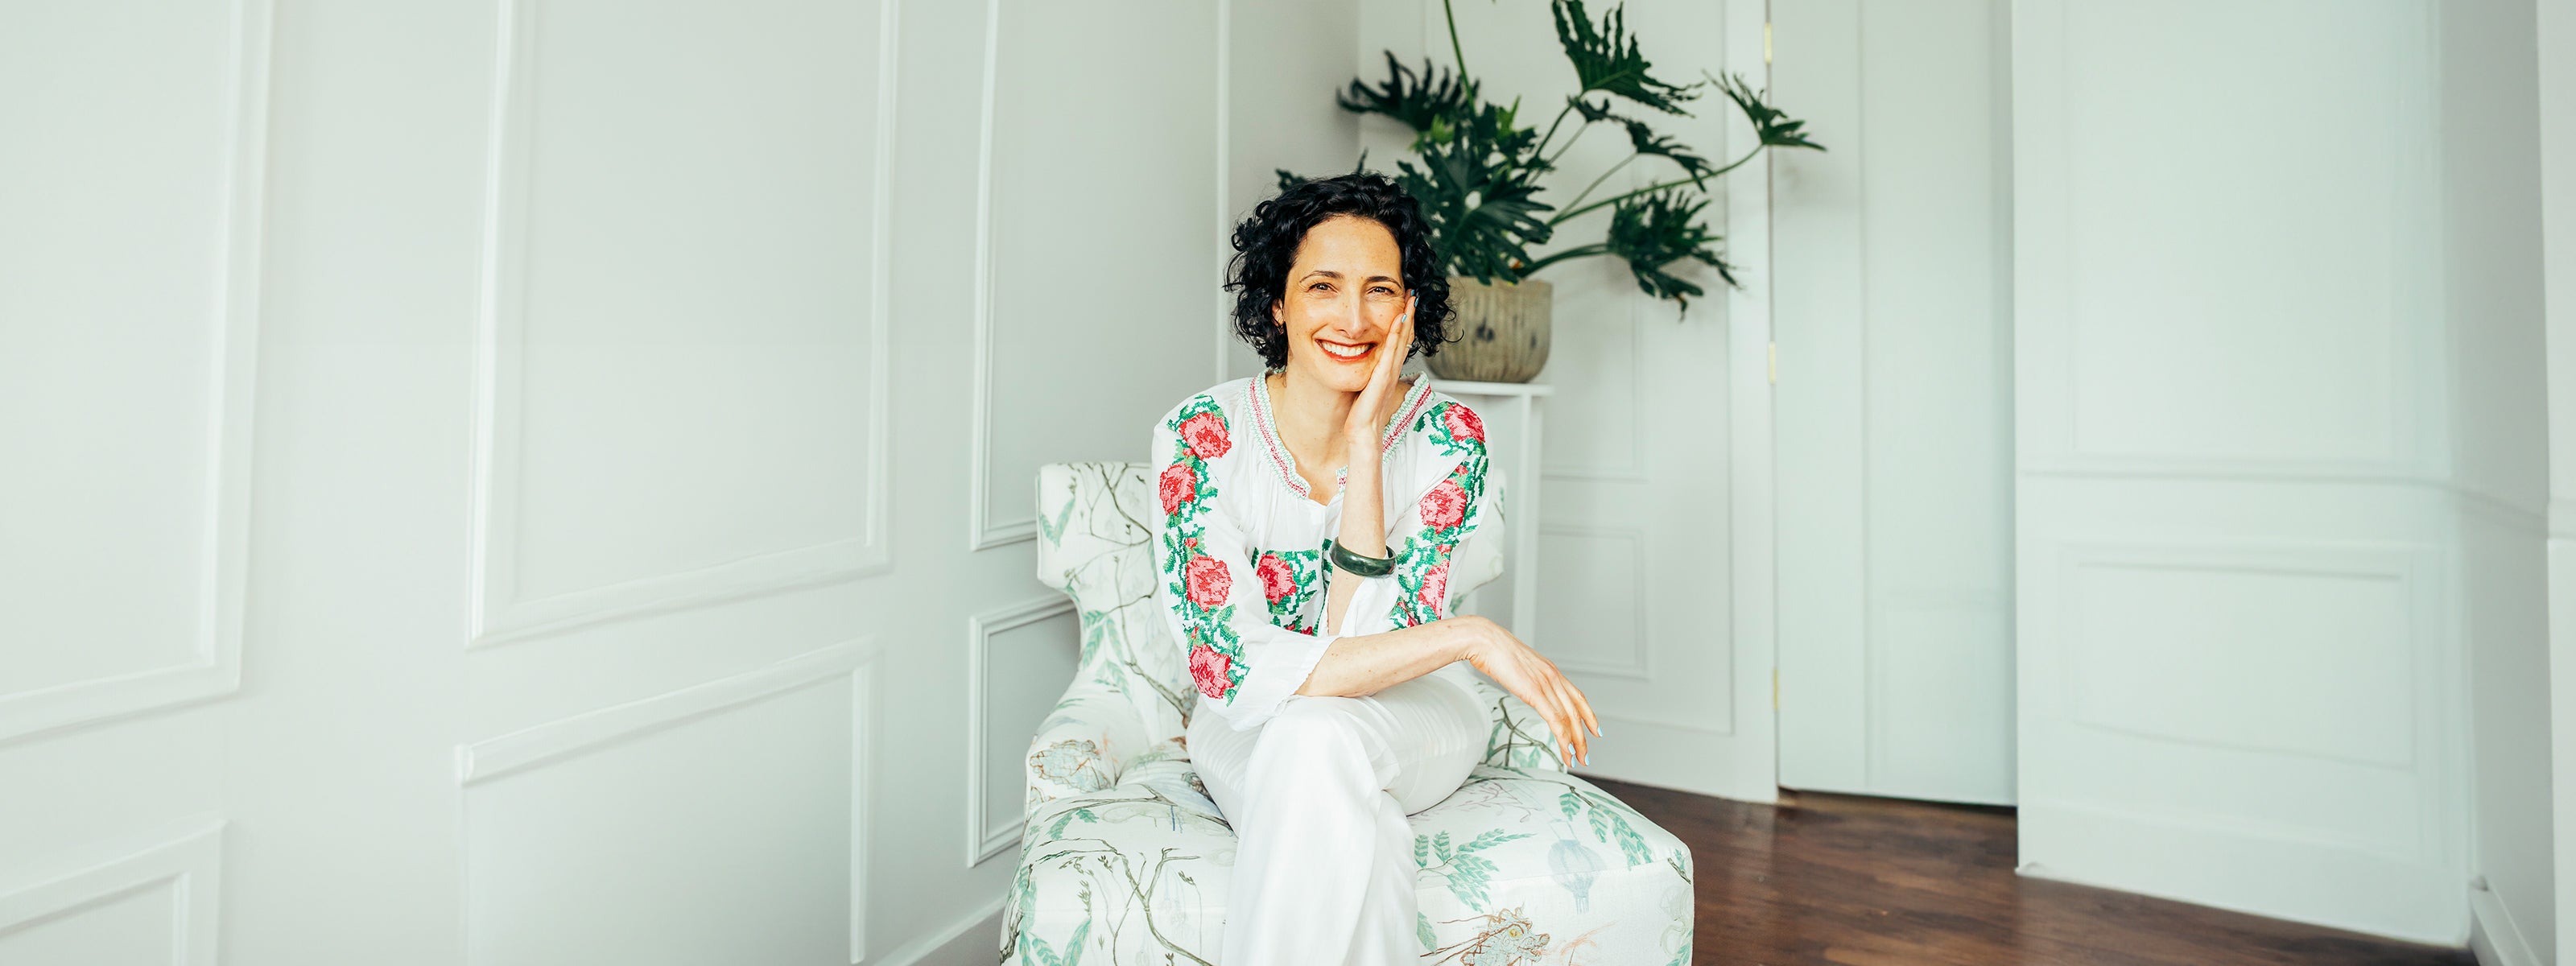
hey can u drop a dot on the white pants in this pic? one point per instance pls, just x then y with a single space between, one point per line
1317 795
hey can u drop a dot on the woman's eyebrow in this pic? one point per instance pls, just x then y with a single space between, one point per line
1328 273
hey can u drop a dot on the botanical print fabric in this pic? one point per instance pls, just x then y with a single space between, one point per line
1125 860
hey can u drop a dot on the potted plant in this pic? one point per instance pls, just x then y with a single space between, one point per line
1478 182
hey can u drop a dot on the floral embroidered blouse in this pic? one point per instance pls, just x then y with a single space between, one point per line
1241 544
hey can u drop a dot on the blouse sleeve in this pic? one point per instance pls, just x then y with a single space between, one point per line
1244 666
1451 523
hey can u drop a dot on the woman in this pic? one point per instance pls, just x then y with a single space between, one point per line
1312 516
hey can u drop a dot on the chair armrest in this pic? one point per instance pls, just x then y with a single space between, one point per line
1520 738
1084 744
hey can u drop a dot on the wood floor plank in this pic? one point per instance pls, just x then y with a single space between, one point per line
1851 881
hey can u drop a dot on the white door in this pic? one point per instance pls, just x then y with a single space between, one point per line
1653 532
1892 256
2238 673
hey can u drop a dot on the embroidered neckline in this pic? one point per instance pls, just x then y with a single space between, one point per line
1257 399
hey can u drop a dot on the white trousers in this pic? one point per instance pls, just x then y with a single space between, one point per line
1317 795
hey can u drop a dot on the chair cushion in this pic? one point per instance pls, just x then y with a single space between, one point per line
1516 866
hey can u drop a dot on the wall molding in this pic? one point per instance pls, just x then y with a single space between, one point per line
2416 570
2053 354
545 744
498 615
565 739
1633 470
191 862
1224 177
982 531
1640 665
2469 498
213 667
985 837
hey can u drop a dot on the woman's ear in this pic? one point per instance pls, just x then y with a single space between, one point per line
1279 313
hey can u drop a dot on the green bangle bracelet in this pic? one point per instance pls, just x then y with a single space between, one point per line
1358 566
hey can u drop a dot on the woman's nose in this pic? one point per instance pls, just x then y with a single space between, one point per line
1350 318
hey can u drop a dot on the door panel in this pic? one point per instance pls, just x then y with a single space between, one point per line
1895 402
1650 539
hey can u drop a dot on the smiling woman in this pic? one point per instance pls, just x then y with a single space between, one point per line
1319 625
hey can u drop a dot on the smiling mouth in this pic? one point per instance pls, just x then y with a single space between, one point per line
1342 350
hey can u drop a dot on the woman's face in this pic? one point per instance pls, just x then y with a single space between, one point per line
1345 291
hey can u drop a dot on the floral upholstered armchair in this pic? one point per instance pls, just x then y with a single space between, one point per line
1125 860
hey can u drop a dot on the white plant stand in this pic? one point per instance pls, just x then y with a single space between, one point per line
1518 402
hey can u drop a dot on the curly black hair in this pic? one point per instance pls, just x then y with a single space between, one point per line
1266 244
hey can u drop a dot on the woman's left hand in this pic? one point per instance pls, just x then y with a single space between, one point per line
1360 429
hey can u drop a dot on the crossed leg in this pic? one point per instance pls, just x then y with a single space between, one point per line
1318 795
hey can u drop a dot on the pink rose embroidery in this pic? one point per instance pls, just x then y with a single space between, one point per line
1207 581
1205 433
1210 670
1464 423
1276 581
1435 588
1444 506
1179 484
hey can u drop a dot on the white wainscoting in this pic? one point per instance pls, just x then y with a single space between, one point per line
1600 623
621 464
133 586
683 822
1600 375
998 728
1058 230
151 905
2214 370
2240 673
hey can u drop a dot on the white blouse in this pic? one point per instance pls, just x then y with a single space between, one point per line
1241 544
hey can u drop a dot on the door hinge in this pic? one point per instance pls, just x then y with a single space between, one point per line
1775 689
1766 41
1774 362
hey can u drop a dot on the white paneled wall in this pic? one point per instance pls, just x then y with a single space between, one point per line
1048 317
2277 415
486 479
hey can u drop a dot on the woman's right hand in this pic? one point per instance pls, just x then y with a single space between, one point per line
1530 676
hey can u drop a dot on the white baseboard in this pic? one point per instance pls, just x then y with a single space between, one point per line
2493 937
972 940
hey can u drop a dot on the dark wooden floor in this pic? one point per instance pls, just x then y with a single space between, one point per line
1878 882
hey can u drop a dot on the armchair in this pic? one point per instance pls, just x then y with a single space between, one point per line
1125 859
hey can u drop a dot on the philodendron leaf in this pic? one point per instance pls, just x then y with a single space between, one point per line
1774 128
1478 188
1606 58
1418 100
1645 140
1654 231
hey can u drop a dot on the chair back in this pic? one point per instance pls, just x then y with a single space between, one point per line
1095 543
